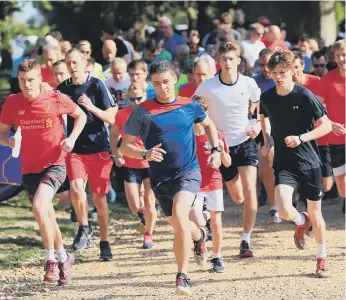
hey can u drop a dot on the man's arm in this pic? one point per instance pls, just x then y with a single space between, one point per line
114 138
107 115
4 139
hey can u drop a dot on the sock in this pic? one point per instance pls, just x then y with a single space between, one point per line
246 237
61 253
300 219
273 208
216 254
50 254
321 250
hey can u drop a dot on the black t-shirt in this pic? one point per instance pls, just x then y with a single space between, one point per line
94 137
293 114
96 46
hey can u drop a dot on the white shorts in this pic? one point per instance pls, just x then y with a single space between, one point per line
213 199
339 171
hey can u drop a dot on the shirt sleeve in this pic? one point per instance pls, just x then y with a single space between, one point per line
119 120
66 105
255 91
262 108
104 99
315 106
200 114
121 48
7 112
135 124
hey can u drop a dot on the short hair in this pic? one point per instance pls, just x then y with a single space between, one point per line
135 86
303 38
74 50
184 49
284 59
151 45
318 55
339 45
91 61
208 60
194 33
202 101
298 54
58 63
229 46
226 18
138 64
256 27
161 66
265 52
118 61
50 47
166 19
82 43
56 34
28 65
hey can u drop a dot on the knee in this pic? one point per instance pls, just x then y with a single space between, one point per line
238 199
216 225
101 202
315 218
283 213
180 223
77 193
39 212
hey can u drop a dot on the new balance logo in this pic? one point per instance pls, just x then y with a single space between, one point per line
295 107
21 112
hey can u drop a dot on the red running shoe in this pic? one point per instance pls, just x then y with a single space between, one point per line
301 231
52 272
65 270
321 267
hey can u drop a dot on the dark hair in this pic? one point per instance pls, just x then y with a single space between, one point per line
229 46
109 28
318 55
157 35
28 65
285 59
91 61
161 66
298 54
226 18
201 100
151 45
265 52
303 38
137 64
58 63
56 34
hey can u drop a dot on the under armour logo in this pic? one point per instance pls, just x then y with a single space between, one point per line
295 107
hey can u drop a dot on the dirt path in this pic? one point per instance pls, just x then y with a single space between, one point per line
278 271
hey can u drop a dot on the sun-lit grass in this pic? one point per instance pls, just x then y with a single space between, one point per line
17 258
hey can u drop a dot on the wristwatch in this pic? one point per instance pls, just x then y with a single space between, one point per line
301 138
218 149
144 154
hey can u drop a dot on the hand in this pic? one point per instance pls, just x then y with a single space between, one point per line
266 149
67 144
338 129
85 101
292 141
254 130
214 160
155 153
222 145
119 161
11 142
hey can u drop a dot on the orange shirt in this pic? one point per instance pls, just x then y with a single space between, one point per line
187 90
48 76
42 128
120 121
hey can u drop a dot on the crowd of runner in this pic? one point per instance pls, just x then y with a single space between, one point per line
177 116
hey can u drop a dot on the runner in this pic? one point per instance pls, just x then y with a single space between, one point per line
291 110
50 56
90 158
39 115
136 171
211 189
231 98
60 71
165 124
332 92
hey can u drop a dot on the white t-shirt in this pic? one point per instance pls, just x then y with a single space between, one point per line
118 89
252 50
228 105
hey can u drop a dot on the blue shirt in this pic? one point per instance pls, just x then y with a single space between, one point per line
263 84
94 137
171 125
172 43
151 92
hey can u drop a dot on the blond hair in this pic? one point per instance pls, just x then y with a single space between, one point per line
339 45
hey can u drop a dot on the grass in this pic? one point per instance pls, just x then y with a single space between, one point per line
17 258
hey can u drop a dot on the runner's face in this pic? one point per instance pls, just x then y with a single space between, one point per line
118 72
75 63
319 65
89 69
136 94
138 75
164 84
282 76
263 63
86 50
229 62
60 73
201 73
50 57
339 56
298 70
29 83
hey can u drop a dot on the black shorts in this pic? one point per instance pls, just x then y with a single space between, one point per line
310 181
337 154
64 187
135 175
244 154
327 170
166 190
54 176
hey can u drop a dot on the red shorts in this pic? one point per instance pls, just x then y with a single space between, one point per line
93 167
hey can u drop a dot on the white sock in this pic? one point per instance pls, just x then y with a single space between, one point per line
217 254
273 208
61 253
50 254
321 250
246 237
300 219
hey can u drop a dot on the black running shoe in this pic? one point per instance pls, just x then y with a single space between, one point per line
218 265
245 250
105 251
82 239
182 285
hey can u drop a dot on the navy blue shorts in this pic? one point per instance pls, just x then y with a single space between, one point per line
135 175
166 190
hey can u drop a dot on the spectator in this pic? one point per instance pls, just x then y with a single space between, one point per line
319 64
172 39
50 56
304 47
254 45
273 40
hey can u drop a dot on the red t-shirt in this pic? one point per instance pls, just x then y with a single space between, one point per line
42 128
187 90
312 83
276 45
48 76
332 90
211 178
120 121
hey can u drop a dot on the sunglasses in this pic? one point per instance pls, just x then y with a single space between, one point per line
136 98
319 66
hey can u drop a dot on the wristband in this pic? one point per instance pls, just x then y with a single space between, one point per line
144 155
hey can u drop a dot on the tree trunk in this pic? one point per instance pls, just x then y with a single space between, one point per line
202 21
328 22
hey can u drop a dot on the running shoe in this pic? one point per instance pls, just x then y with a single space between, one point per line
301 231
148 241
245 250
200 249
105 251
182 285
321 267
52 271
274 217
82 239
218 265
65 270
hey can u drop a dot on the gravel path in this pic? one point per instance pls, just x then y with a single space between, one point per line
278 271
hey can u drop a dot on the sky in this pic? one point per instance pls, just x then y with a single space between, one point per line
27 12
